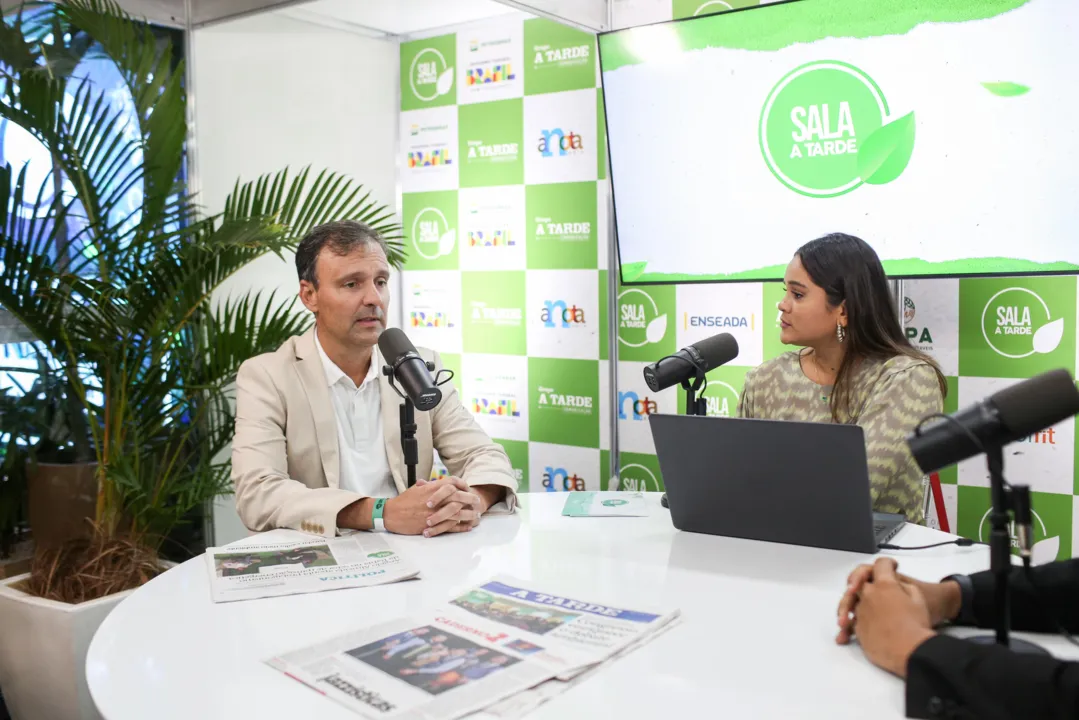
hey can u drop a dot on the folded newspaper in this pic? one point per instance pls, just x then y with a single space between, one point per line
273 569
505 645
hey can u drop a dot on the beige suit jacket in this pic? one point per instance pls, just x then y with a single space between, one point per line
285 462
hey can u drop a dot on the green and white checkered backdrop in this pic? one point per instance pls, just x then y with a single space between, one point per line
504 203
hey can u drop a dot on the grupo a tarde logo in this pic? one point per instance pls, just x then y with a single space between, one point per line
826 128
640 321
1017 323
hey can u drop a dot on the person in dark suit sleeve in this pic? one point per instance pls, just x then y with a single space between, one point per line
894 616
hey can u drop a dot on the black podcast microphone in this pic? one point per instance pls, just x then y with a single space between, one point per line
409 369
1004 417
683 365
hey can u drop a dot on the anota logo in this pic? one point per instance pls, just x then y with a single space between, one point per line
1045 548
826 129
635 477
429 76
432 235
1017 323
560 143
559 479
556 314
638 408
639 320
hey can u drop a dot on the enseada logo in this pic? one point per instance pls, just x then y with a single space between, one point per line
826 129
1045 548
639 321
719 321
432 235
430 76
1017 323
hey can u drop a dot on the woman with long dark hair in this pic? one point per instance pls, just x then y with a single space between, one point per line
856 365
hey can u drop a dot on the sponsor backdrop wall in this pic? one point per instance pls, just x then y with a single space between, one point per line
504 197
986 334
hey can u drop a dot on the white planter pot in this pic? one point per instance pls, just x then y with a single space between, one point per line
43 653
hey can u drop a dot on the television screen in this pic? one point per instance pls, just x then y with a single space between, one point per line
945 133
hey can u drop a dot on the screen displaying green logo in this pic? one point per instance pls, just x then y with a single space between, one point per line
427 74
564 401
826 129
490 136
561 226
493 310
645 330
430 219
1016 327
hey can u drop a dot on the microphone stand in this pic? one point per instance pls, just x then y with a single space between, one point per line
694 404
409 446
1000 552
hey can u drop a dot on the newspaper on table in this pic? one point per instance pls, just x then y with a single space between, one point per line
617 503
289 568
486 645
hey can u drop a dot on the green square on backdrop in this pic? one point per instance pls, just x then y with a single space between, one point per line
638 472
723 392
1051 514
561 227
558 58
1016 327
563 397
491 143
428 76
517 452
493 313
430 225
646 322
452 361
694 8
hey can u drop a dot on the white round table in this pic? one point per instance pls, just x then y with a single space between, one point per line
756 639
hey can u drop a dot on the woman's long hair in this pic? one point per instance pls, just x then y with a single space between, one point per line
848 269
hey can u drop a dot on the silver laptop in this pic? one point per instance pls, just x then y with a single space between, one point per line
788 482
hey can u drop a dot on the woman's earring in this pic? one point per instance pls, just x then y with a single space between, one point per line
840 332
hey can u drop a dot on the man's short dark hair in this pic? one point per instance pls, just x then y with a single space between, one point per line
341 237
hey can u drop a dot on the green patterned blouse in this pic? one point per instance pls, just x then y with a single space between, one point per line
889 398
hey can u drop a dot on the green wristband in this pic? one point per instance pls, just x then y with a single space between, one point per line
377 523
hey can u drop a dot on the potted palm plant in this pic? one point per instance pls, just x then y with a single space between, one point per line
120 296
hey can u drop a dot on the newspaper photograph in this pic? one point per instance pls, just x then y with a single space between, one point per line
487 644
274 569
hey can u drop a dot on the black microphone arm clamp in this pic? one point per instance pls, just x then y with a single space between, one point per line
409 446
694 405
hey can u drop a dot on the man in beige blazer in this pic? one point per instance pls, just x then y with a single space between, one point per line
317 446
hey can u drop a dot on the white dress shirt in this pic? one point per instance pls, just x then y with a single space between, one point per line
361 443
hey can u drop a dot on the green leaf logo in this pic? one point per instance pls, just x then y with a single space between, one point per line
632 271
884 155
1006 89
